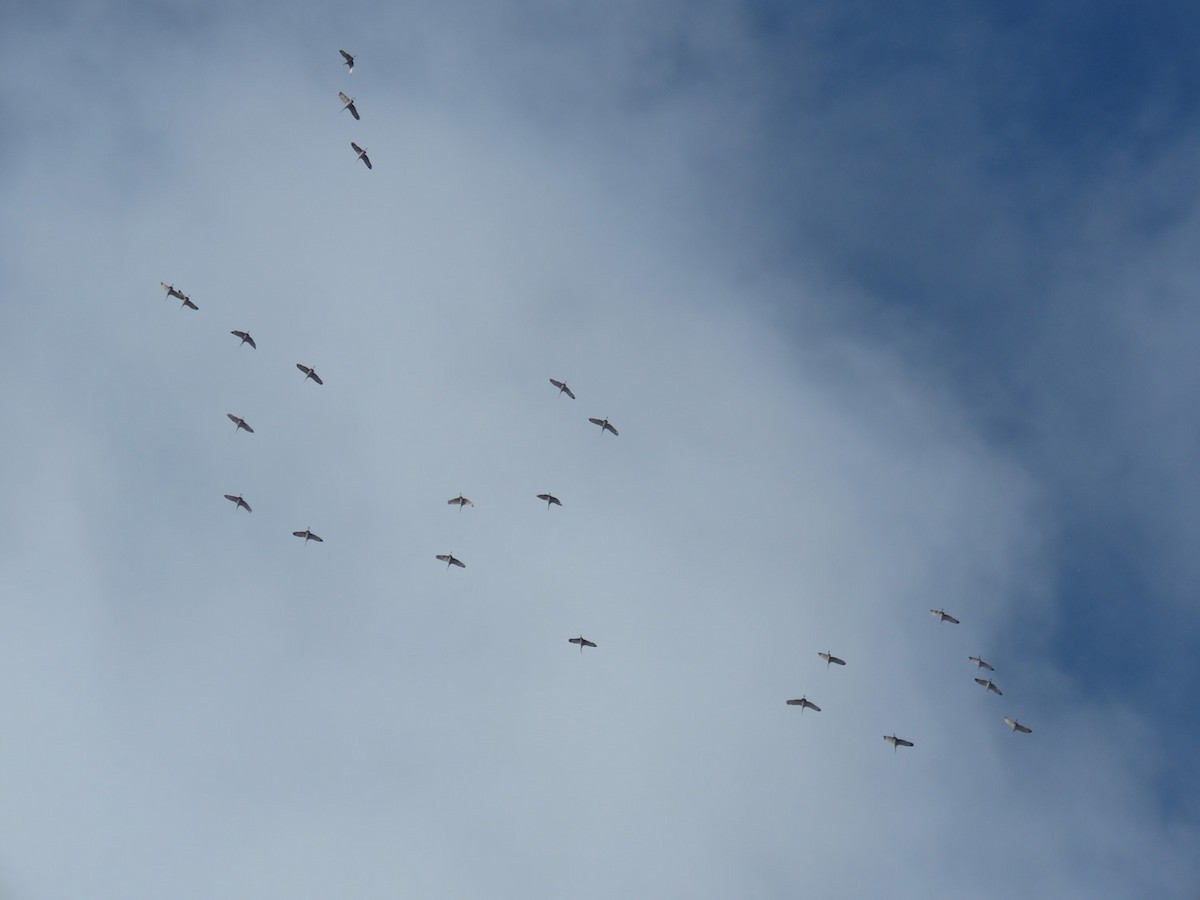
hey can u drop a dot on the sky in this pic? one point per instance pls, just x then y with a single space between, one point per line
891 305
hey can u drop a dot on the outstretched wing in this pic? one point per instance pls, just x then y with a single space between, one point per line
457 562
349 61
946 617
346 100
357 149
189 304
315 377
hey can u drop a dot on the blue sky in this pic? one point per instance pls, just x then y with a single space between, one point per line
893 310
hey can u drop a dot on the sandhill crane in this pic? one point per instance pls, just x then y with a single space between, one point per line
241 504
830 658
550 499
240 423
308 536
804 703
246 339
348 104
981 664
896 741
581 641
990 685
604 425
349 61
309 372
362 154
449 560
1017 726
562 388
460 501
943 616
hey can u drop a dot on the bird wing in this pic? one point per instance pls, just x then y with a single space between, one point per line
457 562
995 689
300 533
303 368
314 537
315 377
357 149
347 57
242 423
575 641
554 500
610 428
188 303
234 419
903 743
950 619
545 497
794 702
353 111
367 160
250 341
443 557
595 421
570 393
232 498
557 384
981 681
812 706
243 503
588 643
346 100
836 661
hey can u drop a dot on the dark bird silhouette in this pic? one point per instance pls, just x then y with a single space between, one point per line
990 685
362 154
980 664
581 641
896 741
240 423
804 704
449 560
308 536
348 104
550 499
309 372
246 339
943 616
830 658
562 388
1017 726
349 61
460 501
604 425
241 504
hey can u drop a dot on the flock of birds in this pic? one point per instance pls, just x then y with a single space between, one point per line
240 424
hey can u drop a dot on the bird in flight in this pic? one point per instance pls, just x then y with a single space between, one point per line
1017 726
990 685
449 560
348 104
349 61
308 536
604 425
581 641
460 501
830 658
240 423
981 664
804 703
246 339
241 504
362 154
943 616
562 388
896 741
550 499
309 372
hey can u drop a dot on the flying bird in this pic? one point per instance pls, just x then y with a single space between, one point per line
172 291
246 339
981 664
604 425
239 422
896 741
449 560
550 499
460 501
562 388
348 104
1017 726
804 703
943 616
349 61
990 685
308 536
830 658
309 373
362 154
581 641
241 504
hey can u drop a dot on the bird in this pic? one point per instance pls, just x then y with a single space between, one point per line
943 616
362 154
171 290
896 741
1017 726
309 372
449 560
239 422
562 388
187 301
550 499
990 685
581 641
246 339
241 504
830 658
349 105
308 536
604 425
804 703
981 664
349 61
460 501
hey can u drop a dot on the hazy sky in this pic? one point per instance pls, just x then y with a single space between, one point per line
894 310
